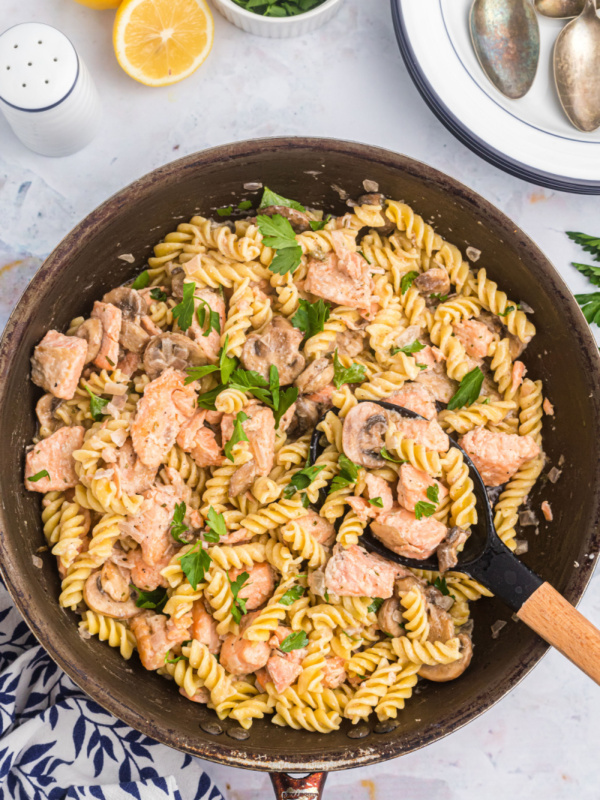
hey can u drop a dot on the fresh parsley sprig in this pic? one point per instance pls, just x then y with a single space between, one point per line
311 317
468 391
184 311
294 641
591 273
278 233
239 604
216 527
178 526
238 435
268 392
408 349
355 373
293 594
347 476
423 509
194 564
269 197
97 405
301 480
214 320
591 244
433 493
156 599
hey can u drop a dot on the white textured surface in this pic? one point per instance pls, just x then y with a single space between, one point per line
346 80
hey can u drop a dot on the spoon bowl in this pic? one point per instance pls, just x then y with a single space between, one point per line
559 9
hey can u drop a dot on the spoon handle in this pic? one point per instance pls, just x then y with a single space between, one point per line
559 623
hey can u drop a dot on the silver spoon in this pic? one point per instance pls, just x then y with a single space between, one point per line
506 39
559 9
577 69
487 559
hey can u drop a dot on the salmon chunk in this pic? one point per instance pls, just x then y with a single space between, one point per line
362 508
57 363
151 526
429 356
130 474
200 441
412 487
111 318
352 572
345 280
55 455
415 397
211 344
426 432
240 656
260 430
320 529
282 669
147 576
403 533
334 672
497 456
474 336
204 627
518 373
155 635
379 488
259 586
158 418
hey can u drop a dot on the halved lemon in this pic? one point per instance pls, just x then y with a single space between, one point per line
159 42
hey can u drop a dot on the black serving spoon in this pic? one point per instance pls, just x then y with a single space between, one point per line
486 558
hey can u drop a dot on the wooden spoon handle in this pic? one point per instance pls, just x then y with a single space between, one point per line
559 623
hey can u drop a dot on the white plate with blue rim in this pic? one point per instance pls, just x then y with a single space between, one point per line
530 137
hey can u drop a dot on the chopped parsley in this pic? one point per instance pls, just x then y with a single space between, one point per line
507 310
438 296
184 311
278 233
158 295
294 642
433 493
376 501
347 476
238 435
319 224
423 509
194 564
214 320
225 212
156 599
414 347
43 473
468 391
384 453
301 480
172 660
215 526
178 526
97 405
142 280
407 281
239 604
375 605
440 583
293 594
268 393
270 198
245 205
311 317
354 374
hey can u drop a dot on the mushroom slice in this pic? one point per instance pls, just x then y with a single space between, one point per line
132 336
298 220
441 673
306 416
364 434
447 551
377 199
435 281
44 410
177 278
441 624
171 350
99 600
315 377
130 301
389 617
91 331
278 344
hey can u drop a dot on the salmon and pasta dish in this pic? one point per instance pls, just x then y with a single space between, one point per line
190 527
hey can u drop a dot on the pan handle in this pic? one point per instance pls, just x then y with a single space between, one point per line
310 787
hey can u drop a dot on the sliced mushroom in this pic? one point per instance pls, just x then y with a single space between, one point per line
377 199
350 343
171 350
115 582
177 279
447 551
242 479
441 624
448 672
435 281
406 583
306 416
91 331
133 337
315 377
389 617
130 301
298 220
100 601
44 409
363 434
278 344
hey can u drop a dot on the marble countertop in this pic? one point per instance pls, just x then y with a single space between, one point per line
347 81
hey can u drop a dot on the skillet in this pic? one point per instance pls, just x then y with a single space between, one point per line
86 264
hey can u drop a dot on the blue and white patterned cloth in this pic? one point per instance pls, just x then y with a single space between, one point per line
56 743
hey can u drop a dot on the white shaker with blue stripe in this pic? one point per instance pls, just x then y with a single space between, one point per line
46 92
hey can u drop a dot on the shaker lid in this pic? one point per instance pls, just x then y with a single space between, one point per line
38 66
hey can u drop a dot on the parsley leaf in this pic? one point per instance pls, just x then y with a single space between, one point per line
384 453
287 399
245 205
305 500
591 244
226 363
293 594
294 642
142 280
207 400
301 480
311 317
590 305
341 375
376 501
172 660
238 435
468 391
423 509
277 231
269 393
433 493
43 473
225 212
375 605
440 583
591 273
485 401
270 198
158 295
214 320
156 599
319 224
286 260
507 310
239 604
196 373
216 526
97 404
178 526
407 281
415 347
194 564
184 311
348 474
439 296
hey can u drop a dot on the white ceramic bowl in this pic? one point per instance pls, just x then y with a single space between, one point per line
278 27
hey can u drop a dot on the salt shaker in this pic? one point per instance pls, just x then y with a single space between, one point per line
46 93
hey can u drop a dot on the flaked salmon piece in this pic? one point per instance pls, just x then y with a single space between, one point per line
57 364
403 533
204 627
130 475
198 440
415 397
362 508
412 487
497 456
319 528
379 488
211 344
334 672
260 430
548 407
344 280
129 364
262 679
242 657
259 586
474 336
429 356
147 576
352 572
55 455
283 670
111 318
547 511
148 325
158 419
151 526
426 432
518 373
202 695
155 635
